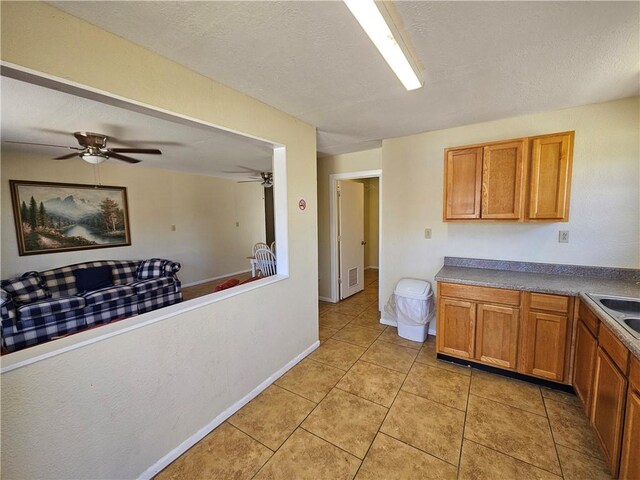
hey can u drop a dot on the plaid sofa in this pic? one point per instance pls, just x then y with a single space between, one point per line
138 287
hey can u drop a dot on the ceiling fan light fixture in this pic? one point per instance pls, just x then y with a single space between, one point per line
375 26
93 158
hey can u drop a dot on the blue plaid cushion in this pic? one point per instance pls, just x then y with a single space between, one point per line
144 286
108 294
152 268
26 289
50 307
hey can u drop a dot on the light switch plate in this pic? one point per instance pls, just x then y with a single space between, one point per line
563 236
427 233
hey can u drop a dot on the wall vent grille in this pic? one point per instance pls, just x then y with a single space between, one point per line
353 277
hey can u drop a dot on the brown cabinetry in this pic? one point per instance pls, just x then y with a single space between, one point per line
502 181
544 340
584 363
496 181
462 172
630 459
524 332
497 335
550 175
456 323
479 324
607 410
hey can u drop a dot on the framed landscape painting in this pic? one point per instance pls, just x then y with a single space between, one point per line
60 217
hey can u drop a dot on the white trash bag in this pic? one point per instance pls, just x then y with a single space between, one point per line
411 304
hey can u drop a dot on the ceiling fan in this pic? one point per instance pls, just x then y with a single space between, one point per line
265 178
93 149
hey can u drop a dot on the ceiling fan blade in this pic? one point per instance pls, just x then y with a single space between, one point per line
149 151
249 181
67 156
43 145
124 158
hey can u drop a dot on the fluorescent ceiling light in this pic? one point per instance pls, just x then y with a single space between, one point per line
373 23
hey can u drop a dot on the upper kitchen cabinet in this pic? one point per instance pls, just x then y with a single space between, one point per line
525 179
502 179
463 178
550 181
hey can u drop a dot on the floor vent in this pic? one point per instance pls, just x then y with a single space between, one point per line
353 277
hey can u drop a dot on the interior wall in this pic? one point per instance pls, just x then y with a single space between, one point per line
604 220
114 408
204 210
345 163
371 222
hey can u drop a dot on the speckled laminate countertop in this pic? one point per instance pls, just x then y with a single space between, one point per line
560 284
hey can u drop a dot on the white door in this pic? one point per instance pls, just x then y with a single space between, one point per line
351 237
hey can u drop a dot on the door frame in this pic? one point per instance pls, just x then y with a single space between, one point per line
333 223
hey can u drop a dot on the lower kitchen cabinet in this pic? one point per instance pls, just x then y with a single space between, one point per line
545 344
497 335
456 321
607 410
585 356
630 459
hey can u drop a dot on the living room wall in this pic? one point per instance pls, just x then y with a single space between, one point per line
204 210
121 406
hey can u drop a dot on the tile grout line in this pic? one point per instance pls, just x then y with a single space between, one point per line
312 410
464 424
553 437
387 414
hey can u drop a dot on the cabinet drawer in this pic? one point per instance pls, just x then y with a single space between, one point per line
480 294
634 374
614 348
589 318
551 303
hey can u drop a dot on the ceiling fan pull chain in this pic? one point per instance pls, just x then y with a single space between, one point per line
96 175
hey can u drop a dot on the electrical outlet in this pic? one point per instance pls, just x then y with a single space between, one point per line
237 224
427 233
563 236
173 228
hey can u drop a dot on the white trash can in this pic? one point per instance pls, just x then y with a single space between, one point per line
411 307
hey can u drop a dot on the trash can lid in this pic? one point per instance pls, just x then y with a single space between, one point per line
412 288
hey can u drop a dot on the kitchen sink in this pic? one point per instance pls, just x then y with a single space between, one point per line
630 307
633 323
624 310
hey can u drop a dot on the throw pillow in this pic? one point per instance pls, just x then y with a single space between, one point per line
153 268
93 278
26 289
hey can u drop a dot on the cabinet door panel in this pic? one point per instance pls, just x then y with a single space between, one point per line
584 363
463 171
456 327
497 335
545 345
630 460
550 177
609 392
502 179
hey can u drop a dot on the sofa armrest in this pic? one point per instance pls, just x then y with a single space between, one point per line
171 269
8 312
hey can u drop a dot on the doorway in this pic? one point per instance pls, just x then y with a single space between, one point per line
355 225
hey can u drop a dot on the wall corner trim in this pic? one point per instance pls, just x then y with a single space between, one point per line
163 462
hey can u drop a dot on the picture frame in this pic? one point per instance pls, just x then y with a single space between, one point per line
55 217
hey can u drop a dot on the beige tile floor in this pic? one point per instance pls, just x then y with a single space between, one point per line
370 405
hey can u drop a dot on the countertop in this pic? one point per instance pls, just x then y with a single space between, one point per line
560 284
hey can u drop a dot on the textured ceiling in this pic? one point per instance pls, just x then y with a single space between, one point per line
32 113
481 60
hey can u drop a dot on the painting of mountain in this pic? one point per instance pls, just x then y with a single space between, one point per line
58 217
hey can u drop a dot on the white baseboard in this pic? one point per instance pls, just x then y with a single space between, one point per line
192 284
371 267
157 467
326 299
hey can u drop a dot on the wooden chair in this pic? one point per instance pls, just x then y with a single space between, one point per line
266 261
252 258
